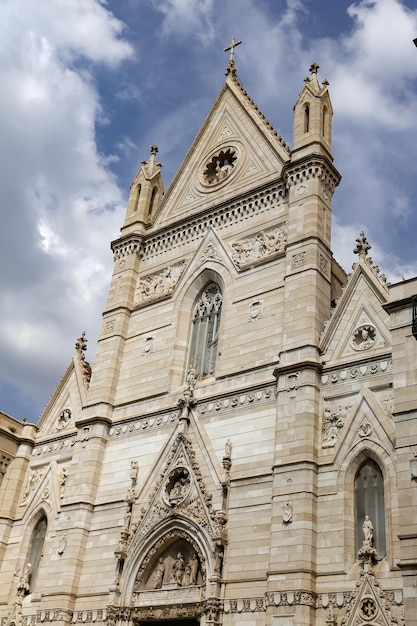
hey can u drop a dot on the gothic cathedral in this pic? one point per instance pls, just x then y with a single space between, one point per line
244 449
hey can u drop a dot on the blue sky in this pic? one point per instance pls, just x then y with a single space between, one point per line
88 86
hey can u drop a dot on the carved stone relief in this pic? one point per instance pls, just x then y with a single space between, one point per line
333 422
31 484
178 565
63 420
159 285
178 486
246 252
255 311
219 167
364 337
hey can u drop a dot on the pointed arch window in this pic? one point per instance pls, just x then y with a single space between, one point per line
369 495
36 549
306 117
152 202
205 331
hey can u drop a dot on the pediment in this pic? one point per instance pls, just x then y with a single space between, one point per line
58 417
370 604
235 151
45 485
356 419
359 327
176 488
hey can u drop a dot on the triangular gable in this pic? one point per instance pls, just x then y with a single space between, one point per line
65 404
359 326
176 487
237 139
45 484
354 419
369 604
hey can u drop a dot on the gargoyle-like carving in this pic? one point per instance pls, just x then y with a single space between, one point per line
253 250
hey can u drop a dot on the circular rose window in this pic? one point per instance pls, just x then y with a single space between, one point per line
219 167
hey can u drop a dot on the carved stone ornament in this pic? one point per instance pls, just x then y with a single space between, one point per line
219 167
31 484
287 513
178 486
255 310
159 285
266 243
333 422
364 337
63 419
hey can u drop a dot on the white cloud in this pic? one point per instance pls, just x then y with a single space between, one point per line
182 17
58 195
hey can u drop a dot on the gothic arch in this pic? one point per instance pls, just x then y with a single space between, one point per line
30 526
188 294
347 473
141 564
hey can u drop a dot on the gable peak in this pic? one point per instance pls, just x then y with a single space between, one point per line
362 248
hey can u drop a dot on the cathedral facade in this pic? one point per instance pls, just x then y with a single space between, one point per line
244 449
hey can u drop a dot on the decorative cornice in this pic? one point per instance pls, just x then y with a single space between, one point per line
310 167
123 247
356 371
224 215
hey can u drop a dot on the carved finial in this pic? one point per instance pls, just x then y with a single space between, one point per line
154 149
231 69
81 345
314 68
362 245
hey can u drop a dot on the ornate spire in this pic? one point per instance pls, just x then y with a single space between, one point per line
231 69
151 167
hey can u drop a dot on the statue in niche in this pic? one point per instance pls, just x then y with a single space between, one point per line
178 569
178 486
194 569
368 531
185 582
159 573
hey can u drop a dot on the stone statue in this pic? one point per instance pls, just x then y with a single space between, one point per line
194 569
159 573
368 531
186 576
178 569
24 586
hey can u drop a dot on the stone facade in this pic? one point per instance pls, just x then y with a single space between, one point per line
244 450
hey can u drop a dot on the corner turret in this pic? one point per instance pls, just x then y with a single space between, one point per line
313 118
146 192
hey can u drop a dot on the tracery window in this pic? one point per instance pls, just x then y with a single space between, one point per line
205 331
369 494
36 549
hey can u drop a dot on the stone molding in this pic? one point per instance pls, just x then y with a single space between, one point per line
219 218
125 247
345 375
233 401
313 168
145 423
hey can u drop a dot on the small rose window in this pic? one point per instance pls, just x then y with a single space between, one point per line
220 166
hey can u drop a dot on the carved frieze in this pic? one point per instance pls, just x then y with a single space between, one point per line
347 374
232 402
266 243
158 285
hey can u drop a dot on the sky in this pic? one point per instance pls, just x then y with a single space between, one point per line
88 86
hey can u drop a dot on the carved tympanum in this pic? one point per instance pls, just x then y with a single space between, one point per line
178 565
